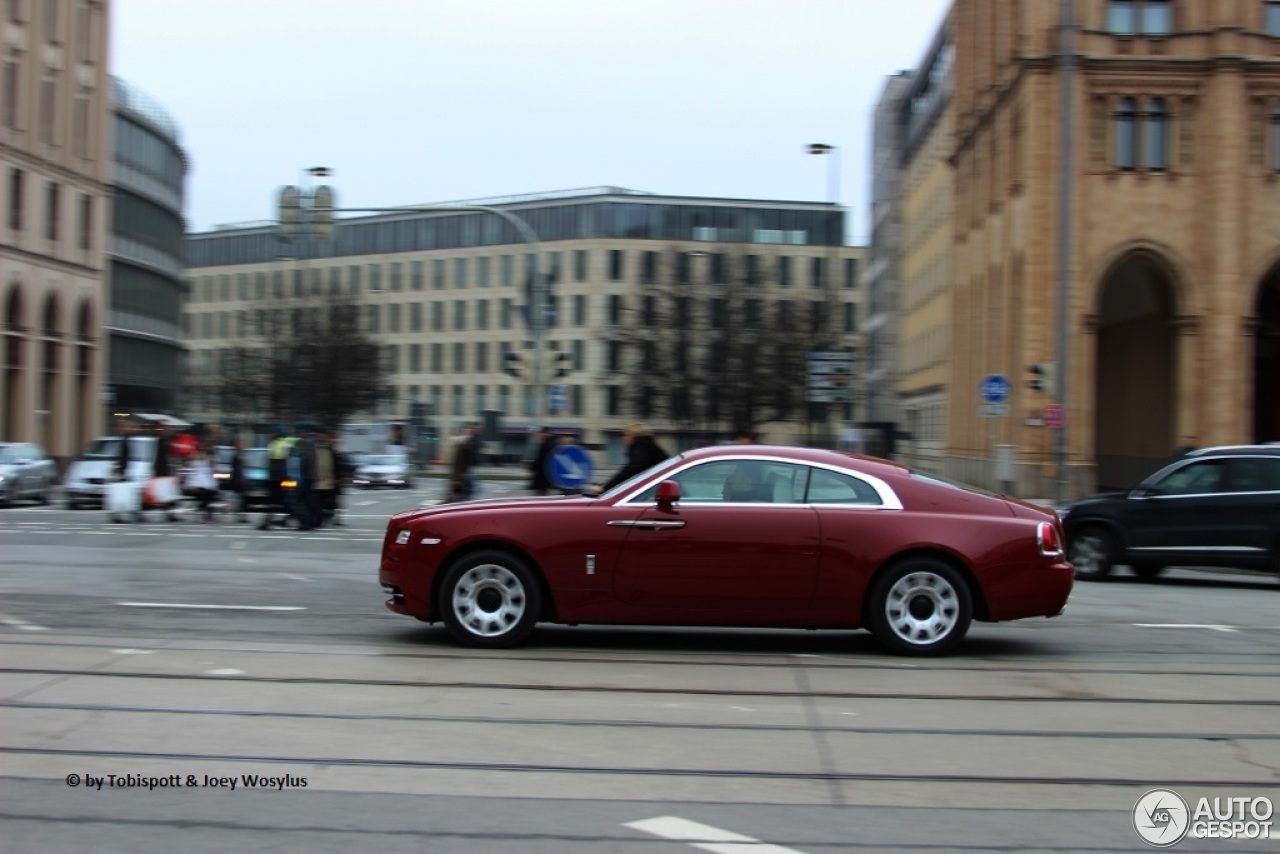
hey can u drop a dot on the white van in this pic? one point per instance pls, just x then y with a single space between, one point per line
96 466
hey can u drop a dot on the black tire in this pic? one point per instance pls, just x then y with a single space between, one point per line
1092 551
1147 571
490 599
920 607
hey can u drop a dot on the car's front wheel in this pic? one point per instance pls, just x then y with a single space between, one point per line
490 598
921 607
1092 552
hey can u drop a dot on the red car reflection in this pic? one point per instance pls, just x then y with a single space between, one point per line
735 536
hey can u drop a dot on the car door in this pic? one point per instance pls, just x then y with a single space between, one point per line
717 555
1171 517
1248 517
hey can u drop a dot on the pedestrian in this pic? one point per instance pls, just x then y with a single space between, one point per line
326 487
643 453
539 481
1188 445
344 470
277 473
236 483
744 437
200 482
466 453
302 471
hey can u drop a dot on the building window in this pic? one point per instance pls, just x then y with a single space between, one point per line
482 272
394 274
1271 19
393 317
48 90
373 315
9 112
753 269
817 272
850 317
579 310
437 274
415 275
508 269
86 221
850 273
437 316
616 265
615 310
505 310
580 265
460 273
1156 131
459 315
1275 135
482 358
415 317
1140 17
459 358
1126 133
53 199
784 271
415 358
16 182
482 314
437 358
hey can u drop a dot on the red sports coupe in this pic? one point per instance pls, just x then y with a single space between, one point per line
742 535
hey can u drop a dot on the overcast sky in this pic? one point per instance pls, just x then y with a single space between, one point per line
419 101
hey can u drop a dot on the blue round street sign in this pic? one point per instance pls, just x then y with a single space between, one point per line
569 466
994 388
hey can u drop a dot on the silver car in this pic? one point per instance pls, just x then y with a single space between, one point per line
377 470
26 472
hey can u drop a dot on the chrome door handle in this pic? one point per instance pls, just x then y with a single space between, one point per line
648 524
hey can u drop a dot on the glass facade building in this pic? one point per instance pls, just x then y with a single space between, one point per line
144 316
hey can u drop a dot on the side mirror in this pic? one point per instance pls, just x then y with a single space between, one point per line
668 494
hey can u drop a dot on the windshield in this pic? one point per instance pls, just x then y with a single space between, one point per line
256 458
631 482
102 449
10 454
386 460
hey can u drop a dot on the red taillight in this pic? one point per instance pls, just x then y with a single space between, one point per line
1047 539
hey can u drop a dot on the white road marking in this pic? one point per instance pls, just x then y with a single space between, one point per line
1209 626
225 671
705 836
133 651
295 577
212 607
239 544
365 503
247 560
22 625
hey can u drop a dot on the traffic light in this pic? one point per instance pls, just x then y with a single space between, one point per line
1043 378
516 363
559 364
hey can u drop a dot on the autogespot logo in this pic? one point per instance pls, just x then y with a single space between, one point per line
1161 818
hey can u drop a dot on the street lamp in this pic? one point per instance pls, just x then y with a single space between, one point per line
832 153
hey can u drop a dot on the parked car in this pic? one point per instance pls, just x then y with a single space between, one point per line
735 536
376 470
98 464
1213 507
26 472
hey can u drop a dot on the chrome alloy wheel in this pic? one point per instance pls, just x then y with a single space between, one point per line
1090 553
489 599
922 608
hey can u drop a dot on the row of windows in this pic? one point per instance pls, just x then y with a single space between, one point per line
144 150
480 315
600 220
54 210
144 292
146 222
1156 17
1142 134
481 272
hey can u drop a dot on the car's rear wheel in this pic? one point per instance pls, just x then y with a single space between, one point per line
921 607
1092 552
1147 571
490 598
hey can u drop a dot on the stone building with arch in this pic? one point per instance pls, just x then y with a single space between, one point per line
1173 320
54 171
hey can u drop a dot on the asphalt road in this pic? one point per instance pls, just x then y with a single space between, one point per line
211 651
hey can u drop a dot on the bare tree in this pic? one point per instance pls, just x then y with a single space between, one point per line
303 361
718 349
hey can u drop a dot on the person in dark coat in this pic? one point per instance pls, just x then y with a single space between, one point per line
643 453
466 454
539 482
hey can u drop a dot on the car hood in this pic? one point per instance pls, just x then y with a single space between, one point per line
7 468
489 505
91 468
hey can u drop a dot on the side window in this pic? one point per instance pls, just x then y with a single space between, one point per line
738 481
1198 478
828 487
1254 474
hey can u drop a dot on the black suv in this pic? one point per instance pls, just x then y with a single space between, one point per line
1212 507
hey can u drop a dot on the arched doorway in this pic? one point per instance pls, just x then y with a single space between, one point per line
1135 429
1266 361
